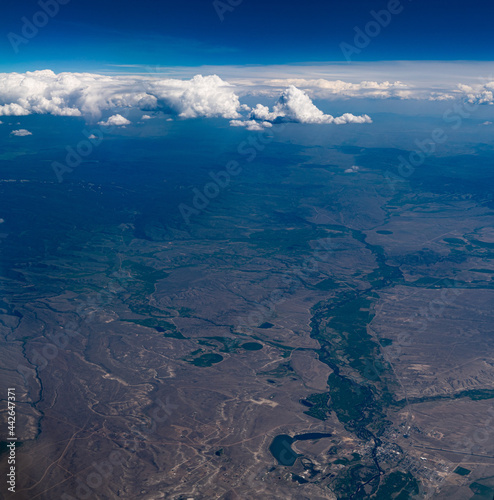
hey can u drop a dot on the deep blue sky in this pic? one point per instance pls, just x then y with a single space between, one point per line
92 35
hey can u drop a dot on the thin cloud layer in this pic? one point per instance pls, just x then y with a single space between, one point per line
325 89
294 105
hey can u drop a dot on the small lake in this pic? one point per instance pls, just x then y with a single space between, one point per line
281 446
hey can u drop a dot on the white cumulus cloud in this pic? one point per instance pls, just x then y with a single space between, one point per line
352 170
251 125
295 105
202 96
22 132
115 121
479 93
146 117
89 95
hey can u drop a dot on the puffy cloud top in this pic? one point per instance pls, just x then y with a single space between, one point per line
201 96
480 93
115 121
90 95
87 94
294 105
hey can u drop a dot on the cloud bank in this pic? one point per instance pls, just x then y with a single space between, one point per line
106 99
90 95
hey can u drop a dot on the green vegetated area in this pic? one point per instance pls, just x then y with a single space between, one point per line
482 492
461 471
138 281
298 479
397 486
472 245
474 394
160 325
346 485
354 404
394 486
326 285
345 461
318 406
361 385
207 360
142 277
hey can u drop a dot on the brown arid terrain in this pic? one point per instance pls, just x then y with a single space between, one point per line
334 343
